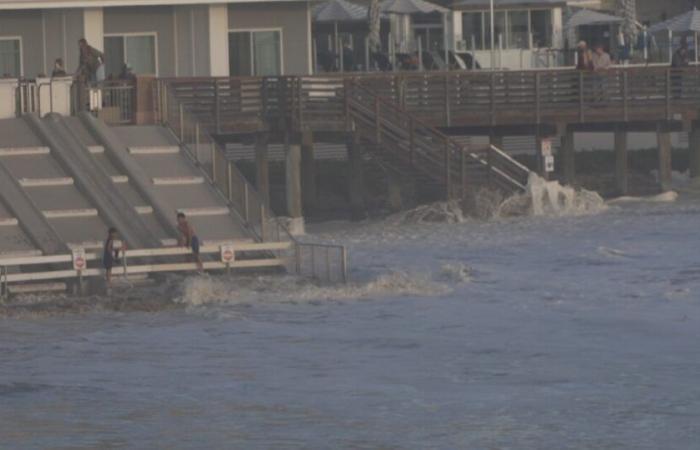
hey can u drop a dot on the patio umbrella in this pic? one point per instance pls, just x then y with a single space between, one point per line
408 7
688 22
336 11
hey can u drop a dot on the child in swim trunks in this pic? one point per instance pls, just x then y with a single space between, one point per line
188 238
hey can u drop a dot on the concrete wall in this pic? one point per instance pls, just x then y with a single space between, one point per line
28 26
294 20
158 20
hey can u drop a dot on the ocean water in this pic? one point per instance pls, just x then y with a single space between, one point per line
549 332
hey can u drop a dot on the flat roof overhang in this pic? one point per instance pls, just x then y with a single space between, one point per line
55 4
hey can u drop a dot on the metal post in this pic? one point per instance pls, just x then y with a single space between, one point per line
246 206
196 142
493 37
537 97
213 161
263 224
181 110
377 123
344 264
580 96
448 112
217 106
411 140
668 94
448 174
229 181
625 109
328 263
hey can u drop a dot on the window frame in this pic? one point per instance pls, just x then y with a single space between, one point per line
485 28
152 34
21 53
252 44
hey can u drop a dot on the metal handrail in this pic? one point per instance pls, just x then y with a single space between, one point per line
252 200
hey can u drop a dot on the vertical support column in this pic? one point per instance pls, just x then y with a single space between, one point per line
218 40
621 161
568 156
664 153
694 149
308 171
293 177
356 183
262 177
93 28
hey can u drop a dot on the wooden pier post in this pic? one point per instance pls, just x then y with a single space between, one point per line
664 154
308 172
356 180
694 149
262 178
568 156
621 161
292 153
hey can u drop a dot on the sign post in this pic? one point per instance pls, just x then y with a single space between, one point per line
228 255
547 156
79 264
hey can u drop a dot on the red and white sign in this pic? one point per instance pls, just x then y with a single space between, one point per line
79 259
228 255
546 148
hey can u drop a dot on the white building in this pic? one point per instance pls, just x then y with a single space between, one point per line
159 37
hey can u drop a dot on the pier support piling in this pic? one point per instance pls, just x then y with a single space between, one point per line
308 172
293 179
621 162
664 155
262 178
356 180
694 149
568 158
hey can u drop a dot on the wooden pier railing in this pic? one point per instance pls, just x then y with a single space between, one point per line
446 99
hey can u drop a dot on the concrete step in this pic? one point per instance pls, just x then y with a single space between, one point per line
96 149
206 211
120 179
70 213
177 181
21 253
46 182
155 150
36 288
144 209
8 222
24 151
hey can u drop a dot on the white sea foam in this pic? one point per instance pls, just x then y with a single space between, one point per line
551 198
666 197
203 291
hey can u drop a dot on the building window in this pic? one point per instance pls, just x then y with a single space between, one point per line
10 57
541 28
514 29
255 53
138 51
518 29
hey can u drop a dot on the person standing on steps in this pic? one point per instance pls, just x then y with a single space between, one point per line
188 238
110 255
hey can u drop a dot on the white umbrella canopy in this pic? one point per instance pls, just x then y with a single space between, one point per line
339 11
590 17
410 7
684 23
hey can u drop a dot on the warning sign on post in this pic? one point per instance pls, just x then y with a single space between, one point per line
546 147
227 254
79 259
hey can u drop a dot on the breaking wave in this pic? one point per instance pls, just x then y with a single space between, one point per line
202 292
541 198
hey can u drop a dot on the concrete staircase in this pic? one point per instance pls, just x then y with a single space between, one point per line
64 181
